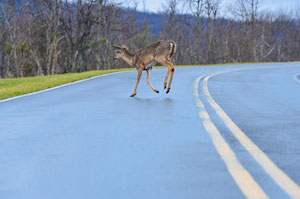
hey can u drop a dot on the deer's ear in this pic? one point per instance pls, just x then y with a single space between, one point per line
123 47
116 47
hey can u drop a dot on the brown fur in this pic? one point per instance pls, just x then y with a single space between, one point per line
160 51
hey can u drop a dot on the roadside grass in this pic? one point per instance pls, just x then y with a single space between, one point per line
19 86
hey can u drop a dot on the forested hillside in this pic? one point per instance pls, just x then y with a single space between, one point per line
46 37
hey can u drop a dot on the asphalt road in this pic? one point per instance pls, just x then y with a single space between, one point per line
91 140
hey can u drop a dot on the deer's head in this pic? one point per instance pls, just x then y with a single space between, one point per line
119 51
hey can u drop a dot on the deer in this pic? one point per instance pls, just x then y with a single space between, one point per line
144 59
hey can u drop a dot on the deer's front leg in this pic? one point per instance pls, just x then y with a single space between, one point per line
140 70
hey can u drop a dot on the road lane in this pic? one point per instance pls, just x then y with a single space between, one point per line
241 176
275 93
90 140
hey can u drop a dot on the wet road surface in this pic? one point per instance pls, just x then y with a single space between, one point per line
91 140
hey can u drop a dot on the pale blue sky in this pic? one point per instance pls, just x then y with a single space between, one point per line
274 5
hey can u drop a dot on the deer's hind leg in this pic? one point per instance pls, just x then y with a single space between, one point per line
166 79
171 70
148 80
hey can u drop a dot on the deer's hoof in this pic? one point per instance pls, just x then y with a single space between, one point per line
133 94
168 90
156 91
165 86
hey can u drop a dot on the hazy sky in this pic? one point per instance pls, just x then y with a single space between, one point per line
156 5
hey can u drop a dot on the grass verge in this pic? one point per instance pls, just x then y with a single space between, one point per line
20 86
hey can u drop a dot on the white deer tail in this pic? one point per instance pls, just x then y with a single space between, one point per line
172 49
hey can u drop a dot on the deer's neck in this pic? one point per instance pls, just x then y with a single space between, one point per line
128 58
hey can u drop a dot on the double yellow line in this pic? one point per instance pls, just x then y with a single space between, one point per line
242 177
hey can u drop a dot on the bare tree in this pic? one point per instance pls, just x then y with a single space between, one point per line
51 14
9 21
45 37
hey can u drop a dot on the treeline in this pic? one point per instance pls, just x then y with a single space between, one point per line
46 37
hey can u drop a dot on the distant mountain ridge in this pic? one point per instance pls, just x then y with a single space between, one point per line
152 19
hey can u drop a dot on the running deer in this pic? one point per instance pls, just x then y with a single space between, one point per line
146 58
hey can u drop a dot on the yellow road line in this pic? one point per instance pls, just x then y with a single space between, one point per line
282 179
241 176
